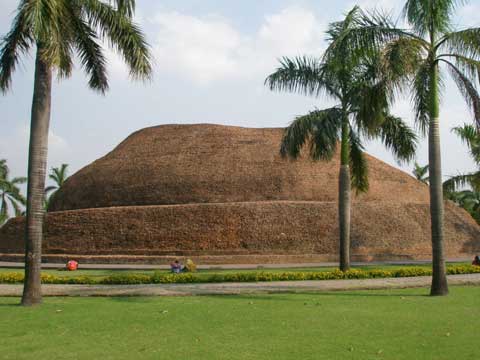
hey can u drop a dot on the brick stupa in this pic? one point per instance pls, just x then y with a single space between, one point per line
222 194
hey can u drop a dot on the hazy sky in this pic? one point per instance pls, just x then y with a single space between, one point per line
211 58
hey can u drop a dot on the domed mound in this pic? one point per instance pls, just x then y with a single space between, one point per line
188 164
223 194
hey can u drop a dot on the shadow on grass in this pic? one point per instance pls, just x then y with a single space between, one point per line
11 305
290 296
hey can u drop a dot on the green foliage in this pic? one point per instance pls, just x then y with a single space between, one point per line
58 175
62 29
363 93
187 278
10 194
421 173
464 189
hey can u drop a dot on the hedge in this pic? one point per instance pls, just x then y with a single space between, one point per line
188 278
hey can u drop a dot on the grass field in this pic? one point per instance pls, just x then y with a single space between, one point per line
396 324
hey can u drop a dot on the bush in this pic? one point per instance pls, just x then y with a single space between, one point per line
189 278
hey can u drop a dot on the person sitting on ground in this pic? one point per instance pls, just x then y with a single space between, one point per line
476 261
190 266
176 267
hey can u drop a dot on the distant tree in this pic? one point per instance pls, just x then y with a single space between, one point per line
362 110
59 30
58 175
464 189
421 173
10 194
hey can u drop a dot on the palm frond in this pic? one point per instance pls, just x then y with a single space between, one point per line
302 75
467 89
49 189
424 15
466 65
470 136
421 96
17 209
398 137
401 60
368 105
91 54
367 33
19 180
15 43
123 36
464 43
319 129
421 173
358 163
125 7
454 183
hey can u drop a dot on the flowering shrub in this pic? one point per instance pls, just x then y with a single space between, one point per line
184 278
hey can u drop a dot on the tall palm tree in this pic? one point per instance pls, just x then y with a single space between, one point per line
420 54
58 176
362 110
421 172
10 193
58 30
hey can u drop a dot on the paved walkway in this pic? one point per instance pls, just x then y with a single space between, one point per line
20 265
238 288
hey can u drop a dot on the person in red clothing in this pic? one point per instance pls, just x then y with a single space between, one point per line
476 261
72 265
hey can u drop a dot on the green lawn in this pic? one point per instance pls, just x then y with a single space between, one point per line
396 324
105 273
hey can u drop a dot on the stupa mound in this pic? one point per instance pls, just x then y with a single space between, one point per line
222 194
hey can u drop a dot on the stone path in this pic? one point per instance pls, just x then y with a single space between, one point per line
238 288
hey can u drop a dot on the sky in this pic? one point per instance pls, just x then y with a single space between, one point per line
210 61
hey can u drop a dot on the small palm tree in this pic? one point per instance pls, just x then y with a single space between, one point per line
421 173
58 176
469 200
10 193
362 110
58 30
418 55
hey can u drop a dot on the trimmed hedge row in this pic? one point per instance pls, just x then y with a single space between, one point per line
166 278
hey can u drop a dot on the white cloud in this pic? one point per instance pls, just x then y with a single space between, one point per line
15 149
385 5
468 15
205 49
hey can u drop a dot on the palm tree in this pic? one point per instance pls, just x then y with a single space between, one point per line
362 110
60 29
58 176
419 55
9 193
468 200
421 173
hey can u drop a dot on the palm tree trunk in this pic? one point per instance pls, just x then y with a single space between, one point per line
344 199
37 164
439 278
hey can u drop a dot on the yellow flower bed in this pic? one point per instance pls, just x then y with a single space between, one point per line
164 278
